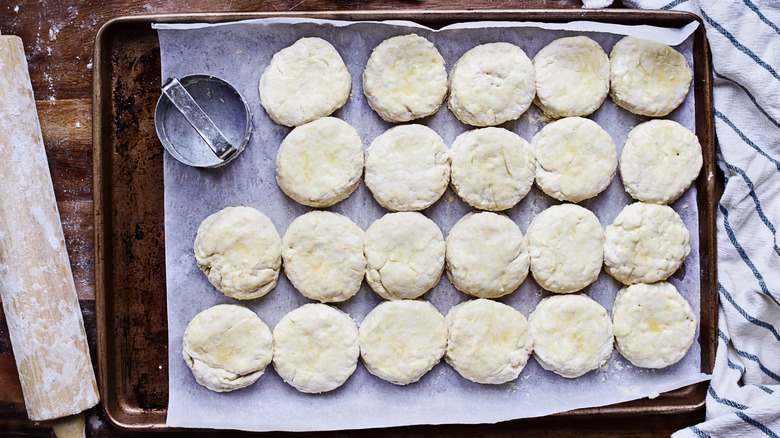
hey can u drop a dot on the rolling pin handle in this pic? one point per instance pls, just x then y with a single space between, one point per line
69 427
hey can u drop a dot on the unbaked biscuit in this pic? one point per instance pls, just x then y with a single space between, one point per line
659 161
227 347
240 252
304 82
407 168
566 247
572 334
648 78
491 84
575 159
323 256
646 243
572 77
315 348
320 163
487 342
654 325
405 255
402 340
492 168
487 255
405 78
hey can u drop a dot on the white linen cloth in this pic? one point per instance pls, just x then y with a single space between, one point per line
744 35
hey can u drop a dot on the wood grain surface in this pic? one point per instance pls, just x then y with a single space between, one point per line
58 39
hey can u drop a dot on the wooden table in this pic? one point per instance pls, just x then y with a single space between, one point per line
58 39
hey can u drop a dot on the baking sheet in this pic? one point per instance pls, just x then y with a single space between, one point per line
238 53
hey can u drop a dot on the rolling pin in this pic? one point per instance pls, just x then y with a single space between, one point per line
36 283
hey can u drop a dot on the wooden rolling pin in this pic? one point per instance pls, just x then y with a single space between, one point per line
36 283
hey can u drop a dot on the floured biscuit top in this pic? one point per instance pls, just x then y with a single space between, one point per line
323 256
488 342
491 84
572 334
402 340
405 78
566 246
575 159
646 243
320 163
654 325
407 168
304 82
492 168
240 252
572 77
648 78
487 255
227 347
659 162
405 254
315 348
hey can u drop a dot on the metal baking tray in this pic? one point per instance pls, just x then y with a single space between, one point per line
129 217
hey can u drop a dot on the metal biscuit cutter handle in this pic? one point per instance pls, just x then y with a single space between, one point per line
175 92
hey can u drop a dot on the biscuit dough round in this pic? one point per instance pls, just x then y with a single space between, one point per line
572 77
320 163
566 247
660 160
487 255
240 252
648 78
487 341
323 256
646 243
572 334
491 84
405 255
407 168
575 159
315 348
405 78
654 325
227 347
492 168
304 82
402 340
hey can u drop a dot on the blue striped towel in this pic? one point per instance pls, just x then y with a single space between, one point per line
744 395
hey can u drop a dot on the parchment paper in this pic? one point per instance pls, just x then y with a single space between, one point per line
238 53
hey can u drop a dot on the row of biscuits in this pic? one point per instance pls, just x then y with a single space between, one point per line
408 167
402 255
405 79
315 347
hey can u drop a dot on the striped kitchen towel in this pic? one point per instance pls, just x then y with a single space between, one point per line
744 395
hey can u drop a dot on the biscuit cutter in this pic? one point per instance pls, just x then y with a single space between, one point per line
185 116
